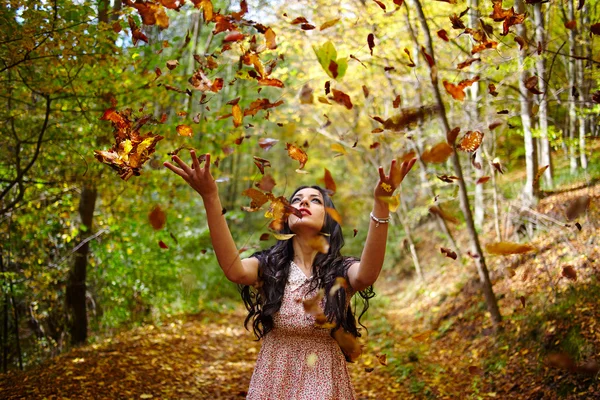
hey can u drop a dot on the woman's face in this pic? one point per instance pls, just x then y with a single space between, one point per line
310 203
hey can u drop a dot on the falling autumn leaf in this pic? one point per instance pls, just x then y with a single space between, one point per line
437 210
448 253
341 98
438 153
577 207
267 143
184 130
569 272
482 180
157 218
270 39
266 184
539 173
162 245
457 91
283 236
505 248
442 34
296 153
470 142
467 63
329 182
237 115
329 24
371 42
261 163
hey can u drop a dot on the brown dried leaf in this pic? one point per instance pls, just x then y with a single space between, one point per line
577 207
157 218
448 253
505 248
470 142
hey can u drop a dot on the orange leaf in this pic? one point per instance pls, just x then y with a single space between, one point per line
570 25
237 115
334 214
329 182
296 153
470 142
184 130
504 248
270 39
437 154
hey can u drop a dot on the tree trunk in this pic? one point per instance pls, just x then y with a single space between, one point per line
16 324
77 286
584 92
4 324
573 94
531 189
411 244
486 284
474 117
540 64
441 222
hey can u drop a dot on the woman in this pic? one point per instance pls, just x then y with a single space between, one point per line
296 300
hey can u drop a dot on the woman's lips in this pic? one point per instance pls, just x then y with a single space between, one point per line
305 211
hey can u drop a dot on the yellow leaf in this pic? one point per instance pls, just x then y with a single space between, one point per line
283 236
339 148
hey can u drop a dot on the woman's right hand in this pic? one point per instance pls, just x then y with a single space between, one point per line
200 179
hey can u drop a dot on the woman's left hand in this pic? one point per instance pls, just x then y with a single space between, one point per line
389 183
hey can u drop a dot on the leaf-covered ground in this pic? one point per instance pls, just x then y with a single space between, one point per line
438 340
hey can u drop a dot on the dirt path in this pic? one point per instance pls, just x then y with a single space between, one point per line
209 356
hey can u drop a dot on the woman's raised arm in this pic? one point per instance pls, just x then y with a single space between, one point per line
364 273
201 180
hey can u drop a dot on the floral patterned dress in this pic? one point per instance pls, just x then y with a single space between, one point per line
298 361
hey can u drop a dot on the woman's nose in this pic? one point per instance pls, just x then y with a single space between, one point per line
304 203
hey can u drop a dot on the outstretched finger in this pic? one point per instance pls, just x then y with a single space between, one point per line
195 162
173 168
183 165
207 165
407 165
381 174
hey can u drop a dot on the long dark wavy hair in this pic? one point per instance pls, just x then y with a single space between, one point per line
274 268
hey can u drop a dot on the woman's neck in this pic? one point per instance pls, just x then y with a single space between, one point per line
304 254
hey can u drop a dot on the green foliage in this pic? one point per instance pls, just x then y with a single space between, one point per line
327 54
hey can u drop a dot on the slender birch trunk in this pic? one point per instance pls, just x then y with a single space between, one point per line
540 64
486 284
531 189
572 89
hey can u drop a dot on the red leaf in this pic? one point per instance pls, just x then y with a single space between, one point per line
569 272
380 4
428 57
162 245
443 35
